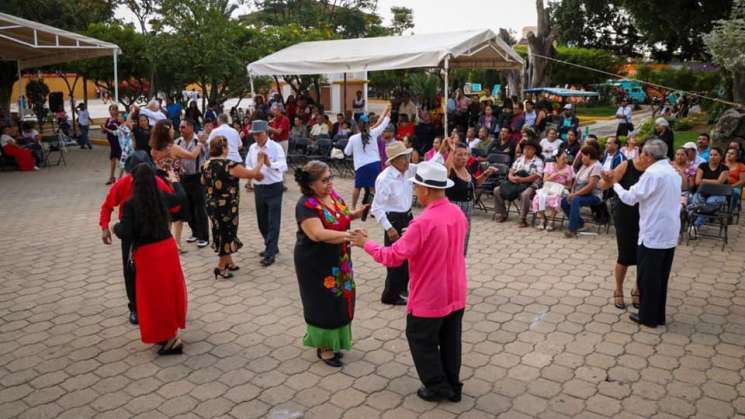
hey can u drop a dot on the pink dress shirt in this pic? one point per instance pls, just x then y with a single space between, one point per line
433 244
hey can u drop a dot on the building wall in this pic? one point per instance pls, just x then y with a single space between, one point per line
57 84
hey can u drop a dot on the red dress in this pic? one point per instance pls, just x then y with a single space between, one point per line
161 291
24 158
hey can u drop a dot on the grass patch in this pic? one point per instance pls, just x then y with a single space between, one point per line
682 137
608 111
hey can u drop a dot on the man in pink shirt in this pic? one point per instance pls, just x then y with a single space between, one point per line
433 245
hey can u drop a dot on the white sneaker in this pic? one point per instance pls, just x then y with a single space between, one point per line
202 243
191 239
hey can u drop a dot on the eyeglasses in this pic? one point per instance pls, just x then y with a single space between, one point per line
326 180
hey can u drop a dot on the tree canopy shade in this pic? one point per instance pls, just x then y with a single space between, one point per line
33 44
467 49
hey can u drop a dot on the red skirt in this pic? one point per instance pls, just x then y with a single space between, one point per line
24 158
160 291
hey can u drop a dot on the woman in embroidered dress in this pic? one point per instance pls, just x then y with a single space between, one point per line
323 263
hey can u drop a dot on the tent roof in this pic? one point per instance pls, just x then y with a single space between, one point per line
561 92
469 49
34 44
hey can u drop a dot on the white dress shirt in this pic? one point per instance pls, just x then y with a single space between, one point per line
152 116
369 153
276 153
393 193
234 140
473 143
658 194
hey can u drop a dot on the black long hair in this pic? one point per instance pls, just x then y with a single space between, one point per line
149 208
365 133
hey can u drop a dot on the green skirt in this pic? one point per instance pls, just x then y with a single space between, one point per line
335 339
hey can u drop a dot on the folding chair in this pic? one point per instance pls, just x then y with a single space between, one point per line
714 215
52 144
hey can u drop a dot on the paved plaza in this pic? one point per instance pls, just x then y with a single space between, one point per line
541 337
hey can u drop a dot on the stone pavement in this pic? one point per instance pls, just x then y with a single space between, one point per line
541 338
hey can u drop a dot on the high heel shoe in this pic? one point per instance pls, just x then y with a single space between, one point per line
223 273
172 347
635 298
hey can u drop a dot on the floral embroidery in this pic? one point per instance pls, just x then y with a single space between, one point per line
329 282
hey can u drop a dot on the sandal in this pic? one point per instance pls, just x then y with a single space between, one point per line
618 300
635 298
173 346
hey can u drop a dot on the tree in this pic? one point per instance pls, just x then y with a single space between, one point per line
403 19
133 75
597 24
541 43
673 28
726 43
63 14
37 92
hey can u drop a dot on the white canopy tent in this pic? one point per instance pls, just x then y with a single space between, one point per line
32 44
480 49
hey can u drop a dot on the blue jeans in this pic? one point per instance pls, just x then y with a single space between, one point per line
698 199
572 210
83 139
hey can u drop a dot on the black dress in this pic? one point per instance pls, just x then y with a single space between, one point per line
223 193
324 270
627 219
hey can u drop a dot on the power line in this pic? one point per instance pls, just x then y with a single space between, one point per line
619 76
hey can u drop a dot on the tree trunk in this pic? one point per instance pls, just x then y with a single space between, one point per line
738 87
85 90
8 76
514 82
541 45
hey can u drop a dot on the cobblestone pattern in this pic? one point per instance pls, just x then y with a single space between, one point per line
541 338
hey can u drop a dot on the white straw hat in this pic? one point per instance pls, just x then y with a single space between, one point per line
432 175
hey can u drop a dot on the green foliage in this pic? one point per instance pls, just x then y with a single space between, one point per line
132 73
681 79
37 92
425 85
596 24
594 58
64 14
403 19
726 44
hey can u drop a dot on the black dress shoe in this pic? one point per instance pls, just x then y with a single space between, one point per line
334 361
133 317
267 261
431 396
263 253
398 302
635 318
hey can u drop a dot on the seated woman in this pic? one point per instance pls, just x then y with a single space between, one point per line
436 143
318 129
24 158
712 172
557 178
31 139
630 149
684 169
736 176
405 127
586 191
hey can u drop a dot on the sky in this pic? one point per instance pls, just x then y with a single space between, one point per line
447 15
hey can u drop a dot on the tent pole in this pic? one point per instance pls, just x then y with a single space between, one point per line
344 107
445 98
251 81
20 91
116 78
365 92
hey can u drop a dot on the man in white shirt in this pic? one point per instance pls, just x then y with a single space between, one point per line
268 191
658 196
234 138
84 123
391 207
530 114
623 115
471 139
152 112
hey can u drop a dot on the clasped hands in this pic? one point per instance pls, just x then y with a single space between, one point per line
358 237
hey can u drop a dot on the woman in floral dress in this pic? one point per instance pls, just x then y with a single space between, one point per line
323 263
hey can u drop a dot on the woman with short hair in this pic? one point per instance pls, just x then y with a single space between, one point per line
220 177
323 262
586 190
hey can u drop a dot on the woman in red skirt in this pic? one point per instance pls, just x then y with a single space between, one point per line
160 285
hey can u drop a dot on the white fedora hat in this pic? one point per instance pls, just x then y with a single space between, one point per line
432 175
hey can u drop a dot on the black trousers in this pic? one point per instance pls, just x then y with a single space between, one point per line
129 274
396 279
435 345
268 200
197 208
652 274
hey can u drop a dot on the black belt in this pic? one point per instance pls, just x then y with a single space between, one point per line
399 215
